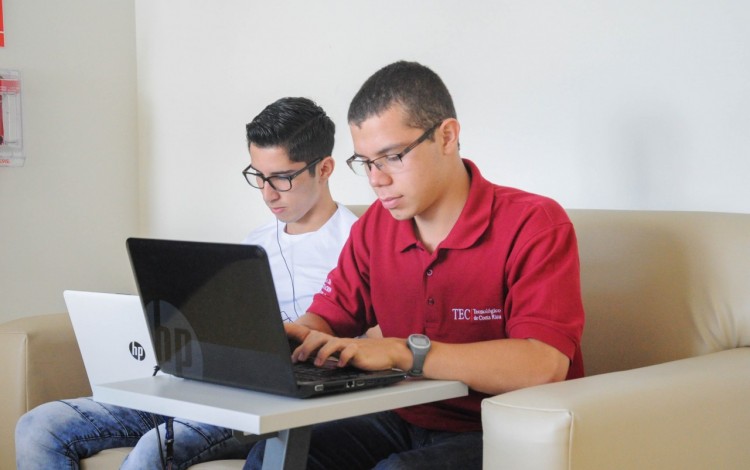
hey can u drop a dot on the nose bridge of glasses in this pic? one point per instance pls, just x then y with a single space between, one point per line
265 187
378 175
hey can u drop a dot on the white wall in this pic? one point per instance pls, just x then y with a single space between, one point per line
599 104
64 216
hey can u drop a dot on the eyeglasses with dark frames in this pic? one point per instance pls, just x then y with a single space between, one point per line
387 163
280 183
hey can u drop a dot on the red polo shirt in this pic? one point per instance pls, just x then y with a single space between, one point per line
508 269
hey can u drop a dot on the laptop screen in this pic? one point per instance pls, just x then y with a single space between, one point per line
211 309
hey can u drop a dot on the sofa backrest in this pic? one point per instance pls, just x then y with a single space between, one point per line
39 362
660 286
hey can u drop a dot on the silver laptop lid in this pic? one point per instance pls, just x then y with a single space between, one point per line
112 334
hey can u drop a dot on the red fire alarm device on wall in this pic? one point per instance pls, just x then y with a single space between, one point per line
11 142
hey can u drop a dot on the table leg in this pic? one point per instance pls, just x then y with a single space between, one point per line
288 450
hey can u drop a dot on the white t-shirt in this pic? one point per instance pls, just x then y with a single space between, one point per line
307 258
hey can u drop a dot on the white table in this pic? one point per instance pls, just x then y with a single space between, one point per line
288 420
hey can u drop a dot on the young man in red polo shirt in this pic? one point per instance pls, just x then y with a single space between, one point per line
467 280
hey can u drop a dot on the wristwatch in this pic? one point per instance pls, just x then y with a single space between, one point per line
419 346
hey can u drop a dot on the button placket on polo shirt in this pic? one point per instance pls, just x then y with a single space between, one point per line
428 274
432 315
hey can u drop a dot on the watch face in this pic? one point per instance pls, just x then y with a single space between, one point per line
420 341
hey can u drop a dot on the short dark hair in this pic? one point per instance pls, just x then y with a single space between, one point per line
419 90
298 125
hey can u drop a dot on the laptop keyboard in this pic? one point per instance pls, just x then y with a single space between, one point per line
308 372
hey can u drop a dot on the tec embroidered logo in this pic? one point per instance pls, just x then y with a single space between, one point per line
477 314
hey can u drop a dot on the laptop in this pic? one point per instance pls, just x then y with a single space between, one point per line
112 335
213 315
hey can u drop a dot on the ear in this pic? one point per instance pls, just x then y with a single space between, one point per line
325 168
447 135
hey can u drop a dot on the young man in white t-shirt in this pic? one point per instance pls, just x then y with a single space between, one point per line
290 144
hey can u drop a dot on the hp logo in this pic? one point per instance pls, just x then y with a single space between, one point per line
137 351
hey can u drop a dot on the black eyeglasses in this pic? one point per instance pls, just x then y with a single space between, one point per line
280 183
387 163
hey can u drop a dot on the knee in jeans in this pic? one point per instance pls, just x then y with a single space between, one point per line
23 425
32 428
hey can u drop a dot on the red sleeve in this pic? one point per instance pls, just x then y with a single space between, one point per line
344 301
544 298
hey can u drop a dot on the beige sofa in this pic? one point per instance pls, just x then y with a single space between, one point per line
667 299
668 325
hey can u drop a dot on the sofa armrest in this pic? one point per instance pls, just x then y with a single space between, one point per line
688 414
39 362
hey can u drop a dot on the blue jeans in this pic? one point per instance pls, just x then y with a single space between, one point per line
384 441
58 434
